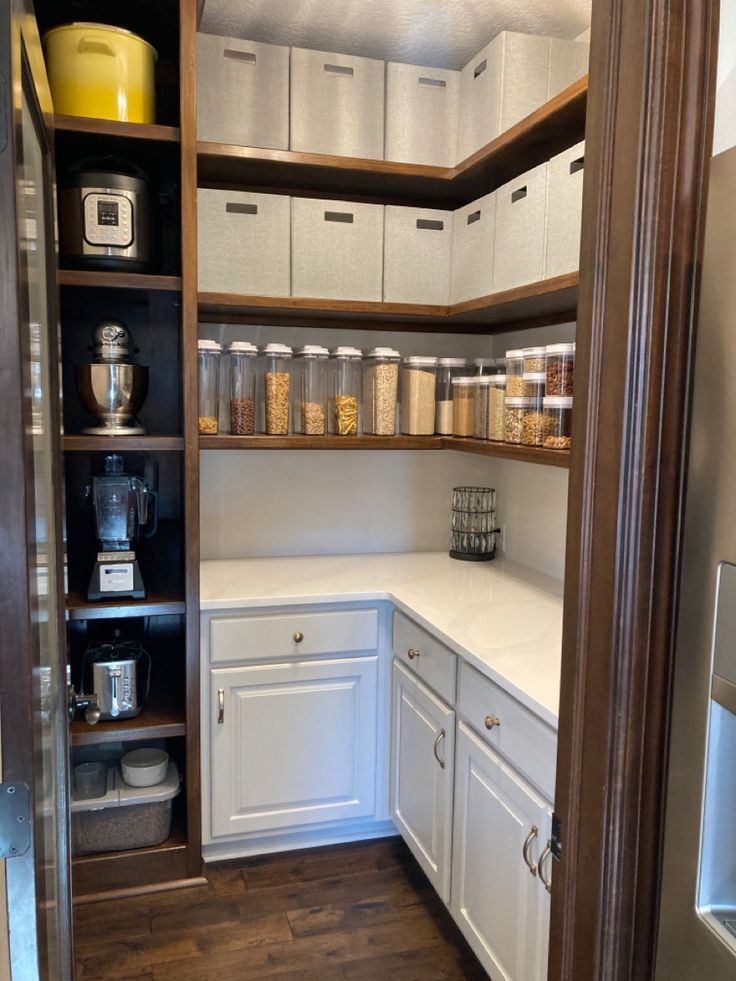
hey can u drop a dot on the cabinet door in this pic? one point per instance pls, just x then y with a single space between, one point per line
422 755
296 745
501 907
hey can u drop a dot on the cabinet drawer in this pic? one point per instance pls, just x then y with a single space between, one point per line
264 638
429 659
526 741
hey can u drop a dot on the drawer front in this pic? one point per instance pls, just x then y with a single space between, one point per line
433 663
288 635
526 742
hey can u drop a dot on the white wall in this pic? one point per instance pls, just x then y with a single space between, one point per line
724 136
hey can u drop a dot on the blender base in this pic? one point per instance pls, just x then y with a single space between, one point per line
116 576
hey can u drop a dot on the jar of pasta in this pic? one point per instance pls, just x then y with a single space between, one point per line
345 391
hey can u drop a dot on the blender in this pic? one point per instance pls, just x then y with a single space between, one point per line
112 388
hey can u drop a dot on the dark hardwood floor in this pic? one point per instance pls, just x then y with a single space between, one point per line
344 913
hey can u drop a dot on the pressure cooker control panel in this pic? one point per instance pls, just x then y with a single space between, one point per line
108 219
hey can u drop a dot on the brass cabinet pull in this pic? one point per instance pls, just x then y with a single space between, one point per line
491 721
545 854
220 706
525 849
298 637
438 739
413 652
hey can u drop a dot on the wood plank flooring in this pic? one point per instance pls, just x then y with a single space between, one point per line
344 913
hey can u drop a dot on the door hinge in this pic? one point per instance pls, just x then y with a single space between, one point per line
556 839
15 820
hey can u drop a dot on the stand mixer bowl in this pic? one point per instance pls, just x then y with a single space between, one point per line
114 393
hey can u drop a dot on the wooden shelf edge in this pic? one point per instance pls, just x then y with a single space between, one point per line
99 279
79 609
115 127
170 723
508 451
75 443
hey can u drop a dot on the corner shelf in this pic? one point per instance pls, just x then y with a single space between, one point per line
509 451
157 722
106 444
94 279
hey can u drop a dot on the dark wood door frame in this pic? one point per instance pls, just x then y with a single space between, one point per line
649 135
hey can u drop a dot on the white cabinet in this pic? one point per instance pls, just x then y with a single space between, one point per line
500 906
422 754
292 745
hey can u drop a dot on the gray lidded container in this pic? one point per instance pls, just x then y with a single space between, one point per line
521 210
564 211
417 255
568 62
472 249
243 242
242 92
336 249
422 111
337 104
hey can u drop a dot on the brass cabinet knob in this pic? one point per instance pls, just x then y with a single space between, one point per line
492 721
413 652
298 637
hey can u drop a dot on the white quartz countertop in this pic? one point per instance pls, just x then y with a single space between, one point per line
503 618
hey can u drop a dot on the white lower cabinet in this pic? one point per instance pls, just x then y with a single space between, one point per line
500 906
292 744
422 755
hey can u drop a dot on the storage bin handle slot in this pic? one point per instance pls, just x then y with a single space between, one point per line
430 225
474 217
439 83
518 194
236 208
339 70
345 216
577 165
480 68
239 55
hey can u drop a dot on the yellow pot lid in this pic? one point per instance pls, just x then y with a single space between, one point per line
88 25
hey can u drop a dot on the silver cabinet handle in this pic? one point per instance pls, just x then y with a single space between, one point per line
438 739
298 637
525 849
547 883
413 652
491 721
220 706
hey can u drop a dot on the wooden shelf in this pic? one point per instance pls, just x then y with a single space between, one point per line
131 872
155 722
114 128
550 301
507 451
558 124
156 604
97 279
106 444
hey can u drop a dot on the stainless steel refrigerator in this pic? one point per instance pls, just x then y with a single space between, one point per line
697 931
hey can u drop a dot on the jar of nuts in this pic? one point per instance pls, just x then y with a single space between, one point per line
514 373
516 407
209 353
310 384
534 423
558 416
242 388
380 391
276 385
345 391
560 369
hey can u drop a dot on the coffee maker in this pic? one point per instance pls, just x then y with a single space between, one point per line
122 505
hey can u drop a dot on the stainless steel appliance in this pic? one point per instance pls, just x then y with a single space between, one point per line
112 672
112 388
697 930
106 216
123 504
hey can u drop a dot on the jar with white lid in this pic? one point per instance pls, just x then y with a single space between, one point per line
463 404
558 416
276 387
209 354
534 384
533 426
514 373
496 408
243 361
534 359
418 384
447 369
380 391
560 369
345 391
310 390
515 408
484 366
481 406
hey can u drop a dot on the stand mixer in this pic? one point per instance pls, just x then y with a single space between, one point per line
112 388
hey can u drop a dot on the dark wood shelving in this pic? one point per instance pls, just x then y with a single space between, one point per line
156 604
508 451
104 444
95 279
156 721
115 128
131 872
549 301
558 124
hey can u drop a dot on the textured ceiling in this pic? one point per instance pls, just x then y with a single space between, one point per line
440 33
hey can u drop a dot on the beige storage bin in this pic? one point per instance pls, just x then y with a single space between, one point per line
422 111
564 210
518 255
568 61
417 255
473 236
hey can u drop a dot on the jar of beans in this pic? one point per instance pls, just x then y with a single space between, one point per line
515 409
533 423
380 391
310 390
345 391
242 388
558 416
560 369
514 373
447 369
463 405
534 359
209 353
276 385
418 385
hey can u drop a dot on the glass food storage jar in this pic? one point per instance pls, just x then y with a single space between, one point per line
534 384
418 382
560 369
484 366
380 391
558 422
463 401
533 422
514 373
447 369
242 388
481 406
345 391
496 408
515 407
276 384
310 390
533 359
209 353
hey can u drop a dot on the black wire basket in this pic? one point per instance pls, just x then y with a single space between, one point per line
473 524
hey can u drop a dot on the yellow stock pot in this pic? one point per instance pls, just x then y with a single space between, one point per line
101 71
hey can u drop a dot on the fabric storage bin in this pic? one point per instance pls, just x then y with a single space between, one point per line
518 254
337 104
417 255
564 210
505 81
336 249
422 109
568 62
242 92
124 817
243 242
473 234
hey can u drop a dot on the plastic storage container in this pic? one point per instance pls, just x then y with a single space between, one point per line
558 422
534 384
515 408
533 423
380 391
145 767
310 390
484 366
276 385
560 369
418 385
473 534
515 373
463 401
533 359
345 383
243 365
481 407
209 386
497 408
90 780
447 369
